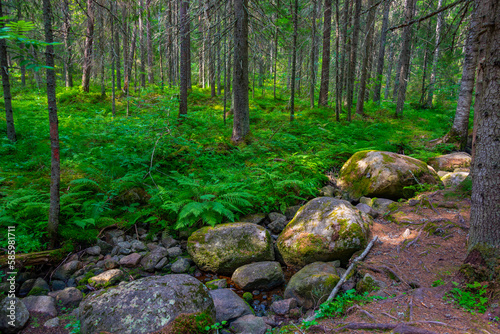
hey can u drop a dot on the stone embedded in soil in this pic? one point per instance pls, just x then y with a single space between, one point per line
282 307
131 260
105 247
312 284
182 265
58 285
145 305
255 218
259 275
40 287
66 270
229 305
19 315
325 229
40 304
150 261
167 241
26 287
249 324
69 297
51 323
162 263
367 209
216 284
96 250
174 252
138 246
225 247
108 277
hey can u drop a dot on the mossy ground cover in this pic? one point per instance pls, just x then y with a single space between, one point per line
153 169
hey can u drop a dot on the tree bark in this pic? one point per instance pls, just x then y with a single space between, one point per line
68 70
381 52
313 56
459 130
89 39
439 25
142 47
9 115
184 57
149 39
352 60
405 57
241 119
389 75
484 234
364 68
55 166
325 64
294 60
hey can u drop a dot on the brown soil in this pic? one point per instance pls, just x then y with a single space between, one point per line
434 250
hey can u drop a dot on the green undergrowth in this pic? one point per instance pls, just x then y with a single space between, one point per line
337 307
471 297
159 172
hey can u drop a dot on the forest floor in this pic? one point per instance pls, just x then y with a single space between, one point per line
419 269
423 244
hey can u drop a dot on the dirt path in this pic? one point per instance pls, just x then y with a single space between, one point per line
423 241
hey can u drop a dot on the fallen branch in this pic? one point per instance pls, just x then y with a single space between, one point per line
34 259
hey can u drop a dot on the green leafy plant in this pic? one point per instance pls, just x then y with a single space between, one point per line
337 307
73 327
215 327
472 297
438 282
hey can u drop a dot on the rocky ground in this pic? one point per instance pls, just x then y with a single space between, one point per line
248 273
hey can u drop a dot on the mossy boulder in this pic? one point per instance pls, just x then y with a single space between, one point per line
259 276
145 305
383 174
454 179
449 162
224 248
325 229
311 285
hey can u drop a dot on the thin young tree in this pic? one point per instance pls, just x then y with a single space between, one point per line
68 58
435 59
184 19
55 165
89 40
325 63
7 96
313 56
352 60
405 57
381 52
294 59
241 119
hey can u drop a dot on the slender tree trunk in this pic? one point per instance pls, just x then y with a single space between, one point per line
389 74
294 60
325 65
9 115
405 57
459 130
184 57
149 38
113 57
142 46
352 60
55 166
241 120
101 51
68 70
89 39
381 52
364 66
313 56
439 25
117 58
126 33
484 234
345 48
338 88
275 52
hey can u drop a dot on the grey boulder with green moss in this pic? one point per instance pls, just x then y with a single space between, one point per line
325 229
259 276
383 174
145 305
311 285
224 248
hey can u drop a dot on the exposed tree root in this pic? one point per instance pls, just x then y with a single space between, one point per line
400 328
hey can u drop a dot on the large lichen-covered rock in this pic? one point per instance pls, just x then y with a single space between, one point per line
223 248
13 315
259 276
325 229
311 285
145 305
383 174
449 162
